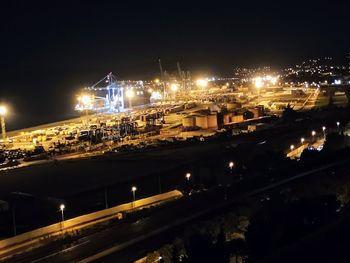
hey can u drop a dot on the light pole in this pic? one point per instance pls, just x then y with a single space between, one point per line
202 83
258 82
188 176
174 87
292 147
324 131
133 190
130 94
86 103
3 112
106 197
313 133
231 165
338 123
302 140
62 207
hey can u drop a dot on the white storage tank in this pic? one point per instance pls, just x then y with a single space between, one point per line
188 121
202 121
212 121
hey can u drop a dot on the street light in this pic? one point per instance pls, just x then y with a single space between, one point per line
292 147
133 190
258 83
338 123
130 94
274 80
86 102
174 87
302 140
313 133
62 207
3 111
231 164
324 131
188 175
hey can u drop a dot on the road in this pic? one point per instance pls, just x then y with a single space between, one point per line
121 238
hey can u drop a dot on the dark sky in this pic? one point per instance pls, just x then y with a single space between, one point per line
48 51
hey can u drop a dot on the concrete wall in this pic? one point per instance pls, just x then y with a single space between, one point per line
84 220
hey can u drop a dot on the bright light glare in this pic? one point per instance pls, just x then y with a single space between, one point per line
231 164
133 189
86 99
62 207
202 83
313 133
188 175
129 93
274 80
258 82
3 110
155 95
174 87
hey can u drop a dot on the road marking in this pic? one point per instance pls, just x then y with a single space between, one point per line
59 252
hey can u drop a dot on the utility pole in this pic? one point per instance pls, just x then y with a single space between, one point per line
3 112
162 77
14 221
3 128
106 197
180 75
159 185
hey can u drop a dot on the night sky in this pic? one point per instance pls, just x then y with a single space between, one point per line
49 51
